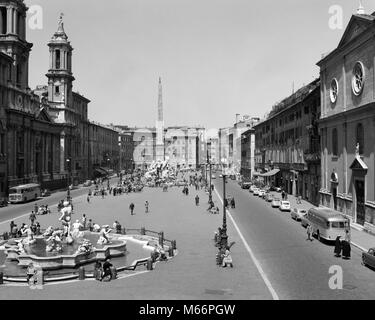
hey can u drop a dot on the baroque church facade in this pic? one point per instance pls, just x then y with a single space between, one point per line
44 134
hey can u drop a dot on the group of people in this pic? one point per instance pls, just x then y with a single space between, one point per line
104 272
342 247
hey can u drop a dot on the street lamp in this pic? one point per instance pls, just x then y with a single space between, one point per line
69 165
209 164
224 236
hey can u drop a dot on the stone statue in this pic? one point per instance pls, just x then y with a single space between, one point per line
357 149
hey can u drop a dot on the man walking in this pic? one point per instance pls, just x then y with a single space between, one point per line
131 207
146 206
32 217
309 232
197 200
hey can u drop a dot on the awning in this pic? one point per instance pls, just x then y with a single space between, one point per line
270 173
257 174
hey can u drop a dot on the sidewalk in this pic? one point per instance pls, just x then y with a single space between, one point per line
360 239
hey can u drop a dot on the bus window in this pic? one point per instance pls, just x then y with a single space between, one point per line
338 224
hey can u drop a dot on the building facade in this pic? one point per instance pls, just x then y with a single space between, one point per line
347 124
248 154
103 149
287 144
30 139
230 141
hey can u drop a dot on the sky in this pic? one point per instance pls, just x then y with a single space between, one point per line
216 58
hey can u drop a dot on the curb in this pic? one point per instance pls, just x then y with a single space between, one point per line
359 247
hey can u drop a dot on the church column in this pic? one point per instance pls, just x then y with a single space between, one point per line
9 20
1 22
50 59
15 21
62 153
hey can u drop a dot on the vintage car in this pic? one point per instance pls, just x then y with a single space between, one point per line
245 185
3 202
268 197
276 202
261 193
45 193
87 183
298 213
284 206
256 191
368 258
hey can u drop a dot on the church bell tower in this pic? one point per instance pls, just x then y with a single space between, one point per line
60 76
13 40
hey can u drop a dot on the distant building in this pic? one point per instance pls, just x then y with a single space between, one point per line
230 143
248 154
104 151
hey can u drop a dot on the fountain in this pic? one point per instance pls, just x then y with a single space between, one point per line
65 247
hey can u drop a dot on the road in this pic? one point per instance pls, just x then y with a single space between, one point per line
296 268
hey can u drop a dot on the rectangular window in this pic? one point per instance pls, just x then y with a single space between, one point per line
57 90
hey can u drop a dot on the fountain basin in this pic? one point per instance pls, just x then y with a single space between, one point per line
69 258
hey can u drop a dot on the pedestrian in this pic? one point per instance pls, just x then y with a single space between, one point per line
131 207
12 226
299 200
197 200
107 273
89 225
83 220
37 229
32 217
347 236
309 232
146 206
232 203
346 250
88 199
338 247
36 208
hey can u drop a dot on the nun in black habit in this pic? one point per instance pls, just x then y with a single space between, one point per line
346 250
338 247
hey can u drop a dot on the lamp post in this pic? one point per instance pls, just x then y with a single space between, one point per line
69 165
224 236
209 164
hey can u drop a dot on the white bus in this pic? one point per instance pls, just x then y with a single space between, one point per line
23 193
327 223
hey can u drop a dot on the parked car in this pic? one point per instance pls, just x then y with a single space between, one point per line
284 206
276 202
220 175
45 193
213 176
268 197
87 183
368 258
245 185
3 202
252 187
278 189
298 213
261 193
255 191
